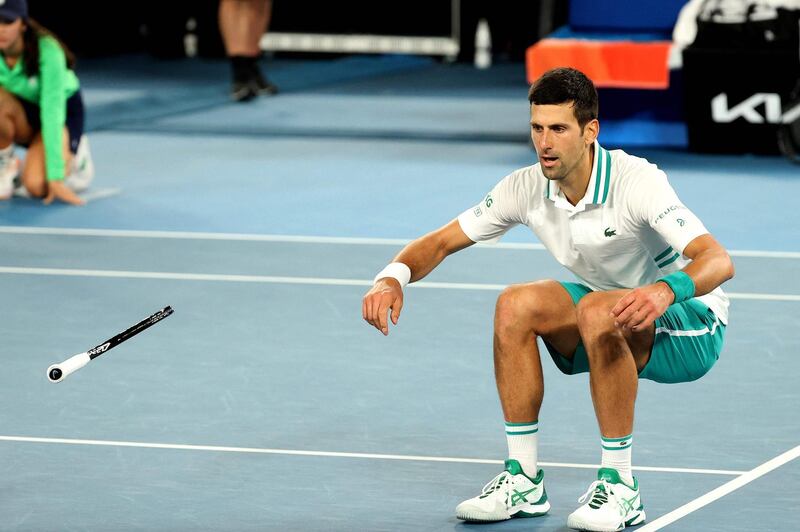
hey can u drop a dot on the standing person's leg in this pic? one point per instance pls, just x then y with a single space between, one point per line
234 23
524 313
14 128
242 23
261 19
260 15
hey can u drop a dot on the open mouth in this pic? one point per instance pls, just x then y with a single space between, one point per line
548 161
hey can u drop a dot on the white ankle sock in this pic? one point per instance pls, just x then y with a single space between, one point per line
523 445
617 455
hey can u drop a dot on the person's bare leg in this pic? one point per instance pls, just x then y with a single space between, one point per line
615 356
14 128
523 313
34 174
260 15
242 23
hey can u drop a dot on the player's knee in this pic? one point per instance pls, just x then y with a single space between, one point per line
506 308
594 315
518 308
7 104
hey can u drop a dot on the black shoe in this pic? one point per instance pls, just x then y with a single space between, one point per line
263 86
243 91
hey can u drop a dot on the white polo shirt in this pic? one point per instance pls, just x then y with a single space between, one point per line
629 229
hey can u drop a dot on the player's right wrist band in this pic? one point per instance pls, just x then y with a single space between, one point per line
395 270
680 284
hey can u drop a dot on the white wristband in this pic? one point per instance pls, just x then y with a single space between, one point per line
395 270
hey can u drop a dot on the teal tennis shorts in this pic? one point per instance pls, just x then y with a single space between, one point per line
687 344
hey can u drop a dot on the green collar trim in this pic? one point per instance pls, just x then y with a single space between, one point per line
601 173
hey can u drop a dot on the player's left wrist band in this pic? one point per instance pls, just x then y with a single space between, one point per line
395 270
680 284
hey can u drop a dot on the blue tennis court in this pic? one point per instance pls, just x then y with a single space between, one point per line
265 402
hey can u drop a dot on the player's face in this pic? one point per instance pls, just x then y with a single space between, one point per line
10 33
558 139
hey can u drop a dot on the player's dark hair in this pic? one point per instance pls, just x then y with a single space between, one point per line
30 37
564 85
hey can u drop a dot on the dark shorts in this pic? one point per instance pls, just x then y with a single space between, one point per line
75 118
688 341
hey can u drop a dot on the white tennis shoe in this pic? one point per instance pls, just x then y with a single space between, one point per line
510 494
82 168
610 505
9 170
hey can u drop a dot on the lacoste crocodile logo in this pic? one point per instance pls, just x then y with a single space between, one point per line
610 232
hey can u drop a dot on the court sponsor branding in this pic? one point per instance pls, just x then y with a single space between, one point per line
749 109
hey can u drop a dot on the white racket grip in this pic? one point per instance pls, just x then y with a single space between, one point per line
69 366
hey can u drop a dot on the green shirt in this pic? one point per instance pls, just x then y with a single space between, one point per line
49 90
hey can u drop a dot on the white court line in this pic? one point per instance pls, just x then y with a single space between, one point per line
764 254
293 452
270 279
721 491
190 235
763 297
184 276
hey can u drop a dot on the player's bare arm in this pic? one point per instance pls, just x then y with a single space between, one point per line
421 256
710 267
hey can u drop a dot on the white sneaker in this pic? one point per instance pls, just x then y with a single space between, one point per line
9 170
611 505
81 170
509 494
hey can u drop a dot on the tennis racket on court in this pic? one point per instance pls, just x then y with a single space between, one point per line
59 372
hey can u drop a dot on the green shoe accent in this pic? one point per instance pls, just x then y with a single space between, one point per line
543 498
521 496
528 514
513 467
609 475
612 477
